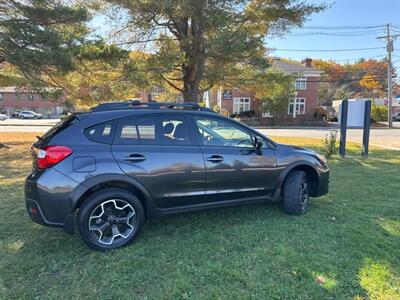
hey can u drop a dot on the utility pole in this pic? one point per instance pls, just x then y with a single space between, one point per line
389 48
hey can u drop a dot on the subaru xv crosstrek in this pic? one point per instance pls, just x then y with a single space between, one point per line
108 170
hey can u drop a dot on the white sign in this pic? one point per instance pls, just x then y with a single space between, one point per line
355 114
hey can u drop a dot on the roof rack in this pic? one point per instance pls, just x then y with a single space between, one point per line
137 104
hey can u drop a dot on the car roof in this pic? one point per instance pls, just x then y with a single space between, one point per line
130 112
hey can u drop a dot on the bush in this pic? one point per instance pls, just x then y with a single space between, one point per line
216 108
329 144
244 114
379 113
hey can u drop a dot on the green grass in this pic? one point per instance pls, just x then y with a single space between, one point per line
346 247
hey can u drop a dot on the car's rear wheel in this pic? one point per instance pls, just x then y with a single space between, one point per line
110 218
296 194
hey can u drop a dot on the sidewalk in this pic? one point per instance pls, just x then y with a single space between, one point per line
29 122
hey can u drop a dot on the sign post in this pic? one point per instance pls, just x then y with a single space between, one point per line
343 127
366 129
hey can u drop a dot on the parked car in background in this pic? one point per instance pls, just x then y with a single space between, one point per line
110 169
396 117
27 114
3 117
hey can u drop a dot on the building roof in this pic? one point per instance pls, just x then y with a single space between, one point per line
292 68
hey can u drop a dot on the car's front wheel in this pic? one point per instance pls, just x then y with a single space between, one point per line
110 218
296 194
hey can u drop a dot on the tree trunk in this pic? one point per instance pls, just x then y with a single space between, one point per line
190 89
193 68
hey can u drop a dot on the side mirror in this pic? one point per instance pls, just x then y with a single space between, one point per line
258 145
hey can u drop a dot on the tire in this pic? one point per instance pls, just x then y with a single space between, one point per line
296 193
110 218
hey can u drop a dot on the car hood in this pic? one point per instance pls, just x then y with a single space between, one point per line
298 149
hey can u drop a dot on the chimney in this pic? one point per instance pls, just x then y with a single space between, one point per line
307 62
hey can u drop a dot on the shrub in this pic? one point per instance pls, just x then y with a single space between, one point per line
244 114
216 108
329 144
379 113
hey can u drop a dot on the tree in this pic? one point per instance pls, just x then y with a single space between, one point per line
99 75
275 89
39 39
363 78
197 44
371 83
333 81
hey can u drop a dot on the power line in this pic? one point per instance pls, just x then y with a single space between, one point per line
344 32
327 50
343 27
350 34
359 58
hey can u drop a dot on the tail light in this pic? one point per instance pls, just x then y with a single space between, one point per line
50 155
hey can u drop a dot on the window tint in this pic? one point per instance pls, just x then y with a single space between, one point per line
153 130
101 133
146 128
60 126
216 132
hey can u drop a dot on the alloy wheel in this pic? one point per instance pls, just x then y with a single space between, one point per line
112 221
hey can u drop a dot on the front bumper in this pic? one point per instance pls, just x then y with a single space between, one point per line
323 187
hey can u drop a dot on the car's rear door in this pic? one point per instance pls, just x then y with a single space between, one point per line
158 151
234 170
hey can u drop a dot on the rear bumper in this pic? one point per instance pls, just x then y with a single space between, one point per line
47 199
36 214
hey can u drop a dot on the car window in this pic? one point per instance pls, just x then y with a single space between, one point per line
101 133
153 130
219 132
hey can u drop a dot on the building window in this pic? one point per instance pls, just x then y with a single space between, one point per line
1 96
300 104
300 84
31 97
241 105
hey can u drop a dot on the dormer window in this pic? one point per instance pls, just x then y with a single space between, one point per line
301 84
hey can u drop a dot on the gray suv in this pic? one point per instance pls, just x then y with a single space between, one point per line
108 170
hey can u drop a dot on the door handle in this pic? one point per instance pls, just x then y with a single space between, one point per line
215 158
135 157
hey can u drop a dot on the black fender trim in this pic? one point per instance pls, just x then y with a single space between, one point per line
287 170
81 189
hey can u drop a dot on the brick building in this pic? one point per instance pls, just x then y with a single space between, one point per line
303 105
12 101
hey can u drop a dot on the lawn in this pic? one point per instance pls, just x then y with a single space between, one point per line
346 247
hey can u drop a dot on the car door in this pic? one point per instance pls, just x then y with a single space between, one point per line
234 169
157 150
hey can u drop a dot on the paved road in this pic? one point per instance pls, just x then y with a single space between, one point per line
386 138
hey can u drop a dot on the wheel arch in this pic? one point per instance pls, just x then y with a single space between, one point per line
309 169
80 194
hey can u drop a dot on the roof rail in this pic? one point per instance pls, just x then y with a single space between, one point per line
137 104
